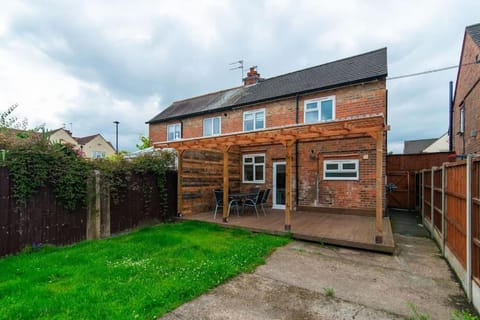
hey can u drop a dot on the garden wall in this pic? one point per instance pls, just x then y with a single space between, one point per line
43 220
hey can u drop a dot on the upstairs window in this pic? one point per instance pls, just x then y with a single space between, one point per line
254 120
340 170
174 131
212 126
254 168
319 110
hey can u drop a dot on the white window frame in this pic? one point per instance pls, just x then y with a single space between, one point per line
174 126
319 109
211 127
254 113
252 156
340 169
98 154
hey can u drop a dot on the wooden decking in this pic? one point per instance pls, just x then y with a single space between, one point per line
338 229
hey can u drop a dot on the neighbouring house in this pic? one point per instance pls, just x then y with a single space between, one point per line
95 146
316 137
63 136
92 147
466 104
427 145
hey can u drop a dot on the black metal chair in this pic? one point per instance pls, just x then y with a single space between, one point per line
255 201
219 203
264 200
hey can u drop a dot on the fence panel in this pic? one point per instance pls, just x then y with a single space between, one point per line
427 191
43 219
142 202
437 199
455 194
476 220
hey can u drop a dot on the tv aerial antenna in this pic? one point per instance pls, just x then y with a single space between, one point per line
237 65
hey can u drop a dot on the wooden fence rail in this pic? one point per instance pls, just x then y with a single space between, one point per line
42 220
450 207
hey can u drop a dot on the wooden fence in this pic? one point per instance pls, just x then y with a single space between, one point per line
450 207
44 221
401 169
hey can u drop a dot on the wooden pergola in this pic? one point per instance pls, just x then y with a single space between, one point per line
372 126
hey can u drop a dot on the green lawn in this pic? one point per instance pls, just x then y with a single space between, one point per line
140 275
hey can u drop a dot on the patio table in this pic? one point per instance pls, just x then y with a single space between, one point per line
239 197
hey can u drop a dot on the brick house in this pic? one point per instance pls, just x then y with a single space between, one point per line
466 105
316 137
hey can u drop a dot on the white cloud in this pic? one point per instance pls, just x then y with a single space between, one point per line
92 62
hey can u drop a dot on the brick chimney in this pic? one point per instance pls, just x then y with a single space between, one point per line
252 76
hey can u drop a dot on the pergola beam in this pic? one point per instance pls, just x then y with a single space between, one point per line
365 126
288 183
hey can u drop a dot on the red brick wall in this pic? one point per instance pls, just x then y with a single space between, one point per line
362 99
356 194
467 91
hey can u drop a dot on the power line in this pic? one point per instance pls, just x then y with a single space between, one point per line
429 71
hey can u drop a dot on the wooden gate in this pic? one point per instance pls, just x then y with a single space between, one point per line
402 196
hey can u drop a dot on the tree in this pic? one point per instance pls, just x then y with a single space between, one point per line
8 120
144 143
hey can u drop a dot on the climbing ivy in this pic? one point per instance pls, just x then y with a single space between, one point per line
35 163
118 172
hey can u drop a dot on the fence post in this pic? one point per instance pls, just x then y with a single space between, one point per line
94 207
422 193
469 226
105 210
432 202
444 207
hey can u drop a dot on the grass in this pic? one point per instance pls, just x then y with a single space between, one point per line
329 292
140 275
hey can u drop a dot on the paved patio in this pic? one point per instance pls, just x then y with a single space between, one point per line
352 231
365 285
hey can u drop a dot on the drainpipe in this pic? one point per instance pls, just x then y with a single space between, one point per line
296 155
450 117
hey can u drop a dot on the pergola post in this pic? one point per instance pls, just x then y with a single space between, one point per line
179 182
379 188
288 183
226 184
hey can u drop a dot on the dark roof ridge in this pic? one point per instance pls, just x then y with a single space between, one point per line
325 64
208 94
473 25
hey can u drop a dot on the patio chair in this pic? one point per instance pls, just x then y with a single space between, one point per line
219 203
264 200
255 201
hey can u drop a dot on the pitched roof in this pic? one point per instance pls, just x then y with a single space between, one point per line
85 140
50 132
363 67
416 146
474 32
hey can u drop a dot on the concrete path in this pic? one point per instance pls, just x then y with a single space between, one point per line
292 285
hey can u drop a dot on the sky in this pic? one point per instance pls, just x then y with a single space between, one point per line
85 64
